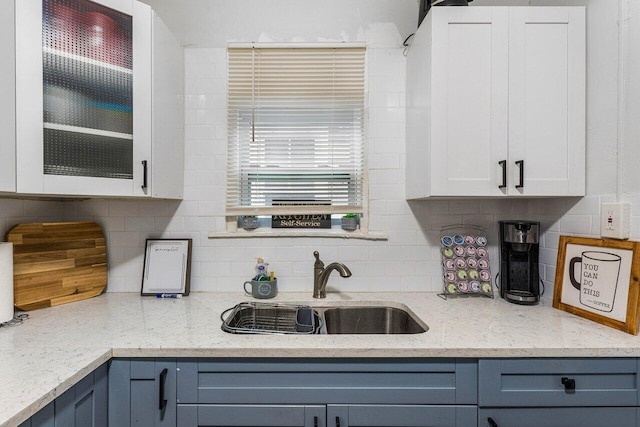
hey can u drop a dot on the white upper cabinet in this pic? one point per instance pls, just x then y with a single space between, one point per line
496 103
84 99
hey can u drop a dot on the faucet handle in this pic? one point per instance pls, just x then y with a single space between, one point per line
318 263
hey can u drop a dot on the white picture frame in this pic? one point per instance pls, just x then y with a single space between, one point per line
167 267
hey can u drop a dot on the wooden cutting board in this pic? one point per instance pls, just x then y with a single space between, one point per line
56 263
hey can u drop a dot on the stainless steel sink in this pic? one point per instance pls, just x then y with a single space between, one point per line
266 318
369 320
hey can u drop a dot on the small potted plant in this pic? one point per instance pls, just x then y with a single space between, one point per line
248 222
350 222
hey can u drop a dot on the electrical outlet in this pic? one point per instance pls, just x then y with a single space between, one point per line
615 220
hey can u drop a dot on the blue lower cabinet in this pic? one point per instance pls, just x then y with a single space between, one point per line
401 416
252 415
569 392
204 415
45 417
327 392
83 405
558 382
142 393
558 417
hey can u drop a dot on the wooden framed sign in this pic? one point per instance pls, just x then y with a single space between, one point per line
598 279
167 267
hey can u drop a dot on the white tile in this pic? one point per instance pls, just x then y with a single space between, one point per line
139 223
111 223
589 205
123 238
123 208
576 224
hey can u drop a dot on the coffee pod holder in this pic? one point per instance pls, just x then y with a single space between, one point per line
466 268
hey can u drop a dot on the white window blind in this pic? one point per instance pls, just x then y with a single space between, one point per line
295 130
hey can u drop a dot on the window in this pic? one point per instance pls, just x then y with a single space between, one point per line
295 130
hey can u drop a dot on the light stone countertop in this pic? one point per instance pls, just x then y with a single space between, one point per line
58 346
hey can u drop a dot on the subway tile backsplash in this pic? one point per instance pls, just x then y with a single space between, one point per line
409 261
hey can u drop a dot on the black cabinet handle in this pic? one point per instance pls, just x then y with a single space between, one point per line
491 422
315 421
520 164
503 164
337 421
144 174
162 402
569 384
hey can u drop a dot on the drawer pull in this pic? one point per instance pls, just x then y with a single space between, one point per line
144 175
569 384
503 165
315 421
491 422
337 421
520 164
162 402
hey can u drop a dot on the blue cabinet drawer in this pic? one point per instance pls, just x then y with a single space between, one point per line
323 381
558 417
558 382
401 416
251 415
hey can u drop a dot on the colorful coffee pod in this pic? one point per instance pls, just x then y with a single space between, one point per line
451 288
482 252
449 264
483 263
475 286
462 274
481 241
447 252
447 241
486 287
473 274
459 250
460 262
484 275
471 250
472 262
449 276
458 239
469 239
463 286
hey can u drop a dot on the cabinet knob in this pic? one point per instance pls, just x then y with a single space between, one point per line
491 422
569 384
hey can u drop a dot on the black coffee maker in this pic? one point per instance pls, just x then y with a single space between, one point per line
519 275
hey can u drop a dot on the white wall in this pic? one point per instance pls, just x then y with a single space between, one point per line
409 260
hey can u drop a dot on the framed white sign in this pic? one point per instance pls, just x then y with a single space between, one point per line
167 267
598 279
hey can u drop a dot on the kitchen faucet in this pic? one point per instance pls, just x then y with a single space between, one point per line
321 275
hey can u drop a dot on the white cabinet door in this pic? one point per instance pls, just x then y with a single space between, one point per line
496 103
7 99
167 165
92 115
469 101
83 114
546 101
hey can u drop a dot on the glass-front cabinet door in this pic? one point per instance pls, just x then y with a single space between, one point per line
83 125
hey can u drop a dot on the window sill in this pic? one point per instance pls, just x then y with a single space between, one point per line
270 232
